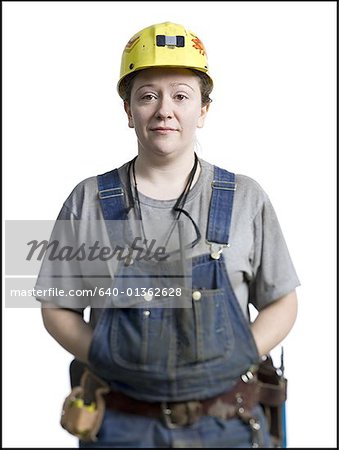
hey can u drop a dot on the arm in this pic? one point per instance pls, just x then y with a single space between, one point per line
274 322
69 329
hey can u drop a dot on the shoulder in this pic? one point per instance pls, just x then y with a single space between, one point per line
83 199
85 186
249 188
82 194
249 195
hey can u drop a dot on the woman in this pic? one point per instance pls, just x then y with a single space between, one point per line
180 371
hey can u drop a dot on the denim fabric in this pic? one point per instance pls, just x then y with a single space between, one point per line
178 354
221 205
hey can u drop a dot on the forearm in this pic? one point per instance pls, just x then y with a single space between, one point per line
274 323
69 329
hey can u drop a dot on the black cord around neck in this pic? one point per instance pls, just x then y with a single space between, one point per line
136 188
183 197
180 203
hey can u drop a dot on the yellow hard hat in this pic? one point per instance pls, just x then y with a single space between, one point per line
163 45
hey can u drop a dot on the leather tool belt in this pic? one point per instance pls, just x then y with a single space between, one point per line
237 402
84 407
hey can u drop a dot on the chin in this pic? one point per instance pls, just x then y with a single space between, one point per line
166 151
163 149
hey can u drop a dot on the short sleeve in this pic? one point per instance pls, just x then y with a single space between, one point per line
72 274
59 279
274 274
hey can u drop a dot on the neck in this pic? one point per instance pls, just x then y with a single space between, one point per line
164 178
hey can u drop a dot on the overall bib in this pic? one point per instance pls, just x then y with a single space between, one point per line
168 354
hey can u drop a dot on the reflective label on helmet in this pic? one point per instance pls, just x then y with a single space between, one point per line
173 41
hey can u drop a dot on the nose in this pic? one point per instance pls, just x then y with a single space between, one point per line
164 110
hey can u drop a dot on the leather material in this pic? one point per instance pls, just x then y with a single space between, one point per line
83 409
243 396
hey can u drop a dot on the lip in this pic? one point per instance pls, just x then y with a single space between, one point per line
164 130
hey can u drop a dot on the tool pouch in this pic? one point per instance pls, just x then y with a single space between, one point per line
272 397
83 409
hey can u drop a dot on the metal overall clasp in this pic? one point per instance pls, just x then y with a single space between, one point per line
216 249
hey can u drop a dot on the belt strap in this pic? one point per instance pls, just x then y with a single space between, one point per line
239 401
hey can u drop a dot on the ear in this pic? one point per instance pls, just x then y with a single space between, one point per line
129 115
203 114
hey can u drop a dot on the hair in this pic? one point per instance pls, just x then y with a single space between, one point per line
206 86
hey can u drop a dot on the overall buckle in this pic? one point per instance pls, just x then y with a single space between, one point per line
216 249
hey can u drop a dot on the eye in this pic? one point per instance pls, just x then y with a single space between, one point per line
148 97
180 97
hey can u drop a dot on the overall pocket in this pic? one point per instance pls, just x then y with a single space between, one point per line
160 338
141 337
204 332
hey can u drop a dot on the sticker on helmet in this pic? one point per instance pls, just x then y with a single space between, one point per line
131 43
199 46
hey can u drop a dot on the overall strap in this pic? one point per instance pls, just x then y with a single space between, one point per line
220 212
111 196
113 205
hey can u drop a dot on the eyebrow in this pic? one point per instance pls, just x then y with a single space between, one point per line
171 84
182 84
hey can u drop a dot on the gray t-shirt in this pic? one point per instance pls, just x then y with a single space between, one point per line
258 262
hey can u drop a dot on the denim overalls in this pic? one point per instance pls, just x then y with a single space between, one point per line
176 354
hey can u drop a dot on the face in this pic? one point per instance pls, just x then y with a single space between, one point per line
165 110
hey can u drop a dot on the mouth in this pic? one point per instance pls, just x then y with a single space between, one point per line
164 130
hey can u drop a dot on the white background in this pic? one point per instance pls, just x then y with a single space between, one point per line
273 118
